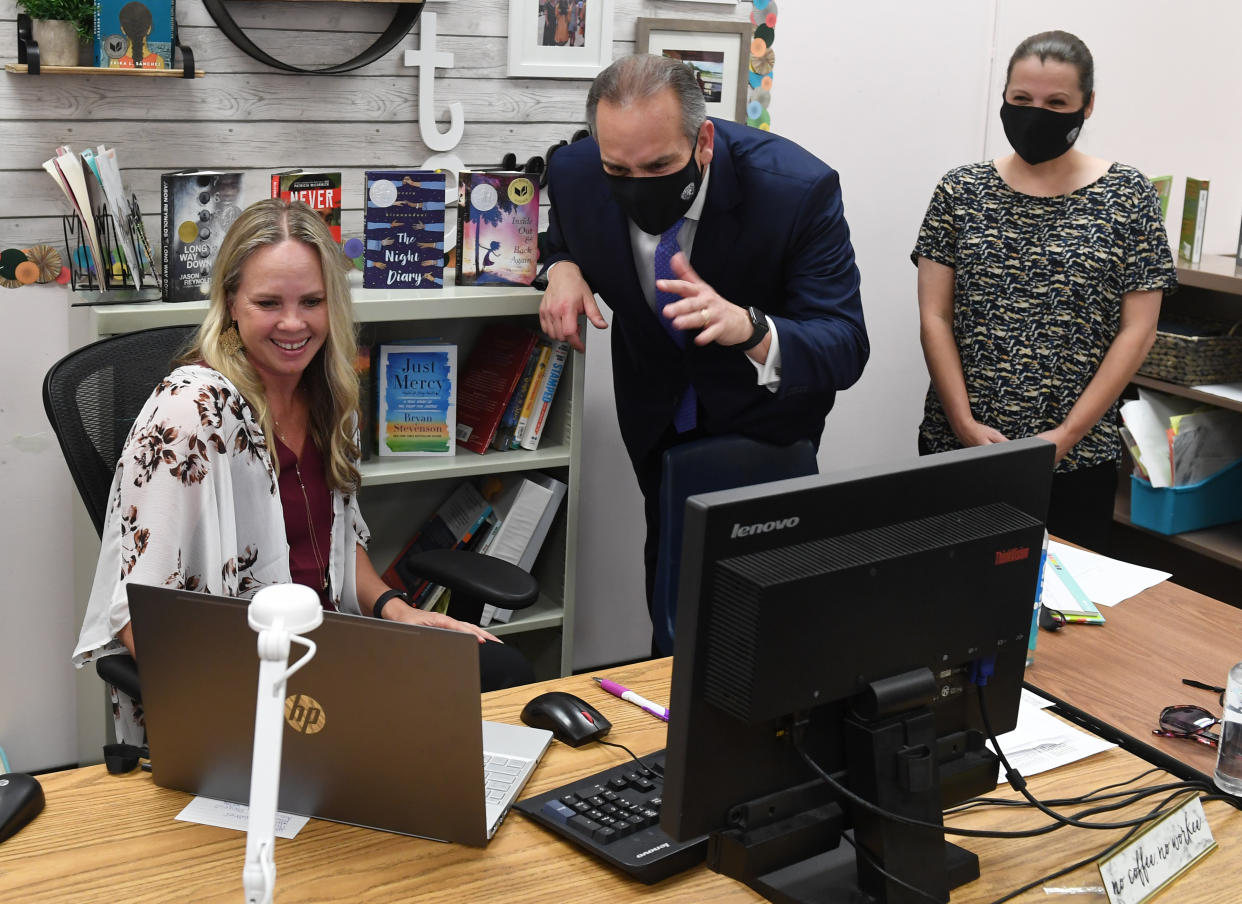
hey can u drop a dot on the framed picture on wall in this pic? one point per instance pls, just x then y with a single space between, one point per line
559 38
718 52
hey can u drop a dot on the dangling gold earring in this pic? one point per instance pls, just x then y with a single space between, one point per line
230 341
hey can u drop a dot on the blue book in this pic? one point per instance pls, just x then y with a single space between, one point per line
134 34
417 410
404 230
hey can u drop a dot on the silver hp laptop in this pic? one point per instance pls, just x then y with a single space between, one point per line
383 727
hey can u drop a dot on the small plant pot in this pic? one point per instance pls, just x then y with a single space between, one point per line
58 42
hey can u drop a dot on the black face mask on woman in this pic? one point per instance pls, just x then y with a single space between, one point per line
1039 135
655 203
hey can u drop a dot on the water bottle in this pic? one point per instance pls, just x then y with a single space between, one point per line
1229 758
1039 597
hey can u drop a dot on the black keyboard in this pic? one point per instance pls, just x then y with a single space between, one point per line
615 815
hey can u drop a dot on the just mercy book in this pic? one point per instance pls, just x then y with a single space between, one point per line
404 229
417 405
320 192
197 207
497 229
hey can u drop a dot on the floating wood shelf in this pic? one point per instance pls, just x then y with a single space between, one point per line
28 62
23 69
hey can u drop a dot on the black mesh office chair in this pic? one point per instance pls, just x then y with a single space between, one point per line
92 397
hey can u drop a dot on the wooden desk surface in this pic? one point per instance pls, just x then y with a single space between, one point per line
1131 667
113 838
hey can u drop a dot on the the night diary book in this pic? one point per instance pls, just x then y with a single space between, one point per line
497 229
404 229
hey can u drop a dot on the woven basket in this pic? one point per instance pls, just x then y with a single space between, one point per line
1190 353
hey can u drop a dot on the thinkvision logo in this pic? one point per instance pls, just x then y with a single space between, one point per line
763 527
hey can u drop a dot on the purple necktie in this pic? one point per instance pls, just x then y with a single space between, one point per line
685 417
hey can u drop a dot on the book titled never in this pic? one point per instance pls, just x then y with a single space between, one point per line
417 405
320 192
404 229
497 229
197 207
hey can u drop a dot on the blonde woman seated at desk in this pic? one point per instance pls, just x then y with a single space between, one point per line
242 468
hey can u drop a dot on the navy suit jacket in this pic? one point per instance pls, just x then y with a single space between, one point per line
772 235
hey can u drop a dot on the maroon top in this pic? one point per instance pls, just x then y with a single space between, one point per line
307 504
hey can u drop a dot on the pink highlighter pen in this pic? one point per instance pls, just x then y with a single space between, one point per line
629 696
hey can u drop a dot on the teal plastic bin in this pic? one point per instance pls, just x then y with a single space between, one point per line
1174 510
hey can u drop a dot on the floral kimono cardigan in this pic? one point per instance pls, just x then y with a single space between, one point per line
195 506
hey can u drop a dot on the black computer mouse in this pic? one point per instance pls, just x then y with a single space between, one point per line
21 800
571 721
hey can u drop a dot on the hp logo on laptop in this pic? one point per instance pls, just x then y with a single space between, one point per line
304 714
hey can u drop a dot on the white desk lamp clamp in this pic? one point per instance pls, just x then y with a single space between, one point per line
279 613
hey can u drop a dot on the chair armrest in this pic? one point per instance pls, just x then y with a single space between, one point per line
484 578
121 672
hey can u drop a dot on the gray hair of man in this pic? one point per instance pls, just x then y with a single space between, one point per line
643 75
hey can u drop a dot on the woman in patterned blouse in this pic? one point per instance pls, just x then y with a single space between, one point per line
242 468
1040 277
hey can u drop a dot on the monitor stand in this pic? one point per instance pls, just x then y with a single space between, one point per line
787 846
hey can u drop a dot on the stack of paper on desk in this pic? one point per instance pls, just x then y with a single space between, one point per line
1104 581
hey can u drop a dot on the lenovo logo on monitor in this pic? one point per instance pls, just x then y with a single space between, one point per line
763 527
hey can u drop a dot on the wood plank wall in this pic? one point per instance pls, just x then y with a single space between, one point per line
244 115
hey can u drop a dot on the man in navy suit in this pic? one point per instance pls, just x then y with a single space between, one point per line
758 329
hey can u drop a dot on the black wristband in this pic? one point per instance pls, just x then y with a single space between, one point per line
759 329
378 609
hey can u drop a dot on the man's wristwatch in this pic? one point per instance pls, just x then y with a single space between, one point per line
759 325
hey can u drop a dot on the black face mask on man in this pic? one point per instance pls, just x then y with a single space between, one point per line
1039 135
655 203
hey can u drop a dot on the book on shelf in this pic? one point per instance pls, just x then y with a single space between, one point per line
416 412
490 376
1194 218
197 207
367 433
134 34
320 192
505 438
1164 189
404 229
451 526
526 505
544 394
543 353
497 229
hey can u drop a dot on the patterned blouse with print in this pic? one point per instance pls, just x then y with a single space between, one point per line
1038 284
195 506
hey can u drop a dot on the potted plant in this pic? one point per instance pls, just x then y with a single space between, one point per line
60 27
